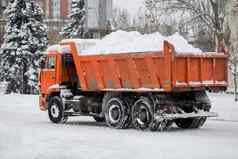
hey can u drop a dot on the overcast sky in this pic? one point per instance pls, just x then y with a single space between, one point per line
131 5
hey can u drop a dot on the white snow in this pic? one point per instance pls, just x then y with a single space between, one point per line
221 82
26 133
209 82
58 48
129 42
194 83
54 86
3 87
53 48
178 83
82 44
126 42
225 106
132 90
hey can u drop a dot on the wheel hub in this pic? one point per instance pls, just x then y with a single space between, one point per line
114 113
55 111
143 115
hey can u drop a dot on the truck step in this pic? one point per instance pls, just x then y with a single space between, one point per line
81 114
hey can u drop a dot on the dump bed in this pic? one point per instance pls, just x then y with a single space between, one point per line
159 71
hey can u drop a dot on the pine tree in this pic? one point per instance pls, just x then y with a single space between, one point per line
24 40
76 27
121 19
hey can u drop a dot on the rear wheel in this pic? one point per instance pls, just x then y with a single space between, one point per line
191 123
202 103
142 114
56 110
187 123
117 112
161 126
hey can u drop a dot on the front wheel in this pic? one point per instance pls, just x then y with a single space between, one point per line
56 110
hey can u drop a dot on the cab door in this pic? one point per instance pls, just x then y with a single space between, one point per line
48 74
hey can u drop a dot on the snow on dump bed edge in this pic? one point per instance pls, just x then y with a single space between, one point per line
82 44
124 42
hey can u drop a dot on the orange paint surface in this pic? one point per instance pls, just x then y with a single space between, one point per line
155 71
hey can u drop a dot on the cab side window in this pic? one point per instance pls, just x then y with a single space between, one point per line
51 63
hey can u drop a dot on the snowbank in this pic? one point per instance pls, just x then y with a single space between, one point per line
124 42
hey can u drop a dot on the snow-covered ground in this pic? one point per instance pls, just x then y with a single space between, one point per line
26 133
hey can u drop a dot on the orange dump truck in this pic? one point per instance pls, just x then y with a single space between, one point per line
149 90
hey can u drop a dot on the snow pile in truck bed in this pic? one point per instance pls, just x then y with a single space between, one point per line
126 42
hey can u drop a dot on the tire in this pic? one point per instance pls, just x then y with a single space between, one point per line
117 112
142 114
99 119
191 123
56 110
202 103
162 126
202 121
188 123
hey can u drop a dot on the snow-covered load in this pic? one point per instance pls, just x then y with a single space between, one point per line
150 89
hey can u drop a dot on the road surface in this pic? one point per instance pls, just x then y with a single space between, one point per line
26 133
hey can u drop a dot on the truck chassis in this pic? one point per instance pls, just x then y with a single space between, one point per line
147 91
143 111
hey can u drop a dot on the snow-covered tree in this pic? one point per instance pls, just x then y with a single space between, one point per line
233 65
209 13
153 13
121 19
231 35
24 40
77 16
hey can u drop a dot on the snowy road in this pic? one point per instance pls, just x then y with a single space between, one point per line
26 133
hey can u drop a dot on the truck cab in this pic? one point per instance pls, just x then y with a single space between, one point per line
57 69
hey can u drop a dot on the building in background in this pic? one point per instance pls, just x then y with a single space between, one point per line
56 9
98 18
3 5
